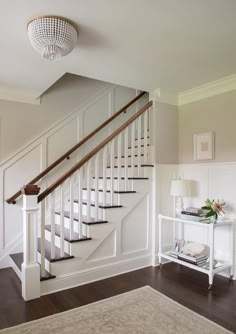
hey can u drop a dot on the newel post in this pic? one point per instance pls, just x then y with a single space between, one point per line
30 267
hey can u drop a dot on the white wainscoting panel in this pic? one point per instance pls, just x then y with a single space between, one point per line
43 150
134 229
106 250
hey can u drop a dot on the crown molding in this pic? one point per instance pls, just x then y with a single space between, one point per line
19 96
213 88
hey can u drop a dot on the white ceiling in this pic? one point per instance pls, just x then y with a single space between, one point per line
170 44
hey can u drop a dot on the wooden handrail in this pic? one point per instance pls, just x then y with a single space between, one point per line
77 166
12 199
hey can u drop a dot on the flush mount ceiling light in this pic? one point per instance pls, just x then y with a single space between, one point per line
52 36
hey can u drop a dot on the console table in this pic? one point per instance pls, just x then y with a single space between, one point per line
211 228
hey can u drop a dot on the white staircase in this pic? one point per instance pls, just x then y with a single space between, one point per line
85 208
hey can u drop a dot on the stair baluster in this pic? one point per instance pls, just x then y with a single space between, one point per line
71 224
104 173
139 134
118 161
42 239
88 187
126 145
133 143
62 219
96 184
52 222
80 206
112 172
145 136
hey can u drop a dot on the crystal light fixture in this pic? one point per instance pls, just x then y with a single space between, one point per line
52 36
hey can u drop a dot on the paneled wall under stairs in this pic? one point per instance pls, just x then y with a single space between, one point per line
38 154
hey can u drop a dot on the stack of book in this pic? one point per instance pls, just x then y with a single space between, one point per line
195 214
198 260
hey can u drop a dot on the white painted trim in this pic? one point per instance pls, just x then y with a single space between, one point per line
16 269
94 274
58 125
20 96
11 247
164 96
213 88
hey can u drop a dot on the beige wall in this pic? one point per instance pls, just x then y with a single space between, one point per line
165 133
218 114
21 122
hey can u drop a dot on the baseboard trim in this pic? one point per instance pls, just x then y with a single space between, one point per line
15 268
14 246
94 274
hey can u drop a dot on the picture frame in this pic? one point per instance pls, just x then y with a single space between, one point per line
178 245
203 144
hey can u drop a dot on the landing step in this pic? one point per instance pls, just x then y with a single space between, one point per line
91 221
58 256
129 166
18 260
116 192
76 237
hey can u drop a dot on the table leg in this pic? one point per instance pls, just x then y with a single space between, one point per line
160 244
210 281
211 259
233 251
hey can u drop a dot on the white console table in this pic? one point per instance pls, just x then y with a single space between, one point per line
211 228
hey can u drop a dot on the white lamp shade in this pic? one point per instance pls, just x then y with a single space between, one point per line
180 188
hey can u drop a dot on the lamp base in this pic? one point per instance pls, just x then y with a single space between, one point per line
179 205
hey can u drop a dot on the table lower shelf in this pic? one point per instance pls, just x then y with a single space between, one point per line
222 267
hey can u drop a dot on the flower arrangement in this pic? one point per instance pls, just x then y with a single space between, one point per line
214 208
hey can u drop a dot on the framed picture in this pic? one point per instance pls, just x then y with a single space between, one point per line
203 144
178 245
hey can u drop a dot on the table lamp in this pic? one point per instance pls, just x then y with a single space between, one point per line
179 189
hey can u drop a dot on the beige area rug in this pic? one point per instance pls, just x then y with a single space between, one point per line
139 311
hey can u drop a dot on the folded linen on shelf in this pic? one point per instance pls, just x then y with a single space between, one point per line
193 248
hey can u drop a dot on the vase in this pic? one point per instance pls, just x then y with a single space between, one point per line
213 219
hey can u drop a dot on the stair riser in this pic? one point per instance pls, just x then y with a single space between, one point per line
100 196
136 142
130 162
67 224
57 242
116 184
101 211
131 172
136 149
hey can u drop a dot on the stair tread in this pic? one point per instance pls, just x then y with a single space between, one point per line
57 252
129 166
100 205
18 259
129 156
115 191
122 178
76 218
137 146
76 236
142 138
125 192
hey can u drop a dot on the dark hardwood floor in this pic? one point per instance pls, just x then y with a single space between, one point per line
184 285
